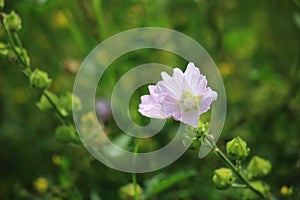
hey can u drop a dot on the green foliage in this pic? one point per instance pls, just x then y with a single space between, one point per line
161 182
67 134
255 44
260 186
194 137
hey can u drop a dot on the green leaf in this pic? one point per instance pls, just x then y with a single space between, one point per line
44 104
66 134
161 182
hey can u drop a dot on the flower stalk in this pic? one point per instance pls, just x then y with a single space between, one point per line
215 148
21 56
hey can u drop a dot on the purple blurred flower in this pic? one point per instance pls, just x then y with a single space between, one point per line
183 96
103 110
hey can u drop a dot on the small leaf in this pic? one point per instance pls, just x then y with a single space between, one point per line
161 182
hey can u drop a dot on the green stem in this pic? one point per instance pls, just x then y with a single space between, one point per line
28 70
232 166
55 107
12 45
237 185
134 179
97 4
19 43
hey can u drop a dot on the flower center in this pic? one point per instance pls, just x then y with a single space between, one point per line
189 102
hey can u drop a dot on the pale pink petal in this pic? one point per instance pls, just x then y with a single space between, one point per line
196 81
206 100
150 108
172 88
165 76
171 107
190 118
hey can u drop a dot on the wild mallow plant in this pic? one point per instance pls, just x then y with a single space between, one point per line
184 96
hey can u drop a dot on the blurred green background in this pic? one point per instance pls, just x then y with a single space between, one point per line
255 44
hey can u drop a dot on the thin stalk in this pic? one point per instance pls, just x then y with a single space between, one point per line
75 31
28 70
134 179
12 45
55 107
97 4
19 43
237 185
232 166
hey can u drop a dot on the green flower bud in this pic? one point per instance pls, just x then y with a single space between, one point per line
2 3
12 21
258 167
68 99
258 185
127 192
44 103
223 178
3 49
66 134
40 79
194 137
237 149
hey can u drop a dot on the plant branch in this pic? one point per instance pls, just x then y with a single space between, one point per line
233 167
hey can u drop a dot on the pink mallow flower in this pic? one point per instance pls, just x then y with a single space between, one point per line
183 96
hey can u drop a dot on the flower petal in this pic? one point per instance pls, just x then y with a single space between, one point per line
150 108
171 107
196 82
190 117
206 100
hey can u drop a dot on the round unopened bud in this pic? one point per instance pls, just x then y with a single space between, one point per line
127 191
12 21
258 167
223 178
237 149
40 79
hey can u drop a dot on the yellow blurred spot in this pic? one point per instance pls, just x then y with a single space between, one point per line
285 191
56 159
41 185
226 68
71 65
60 19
